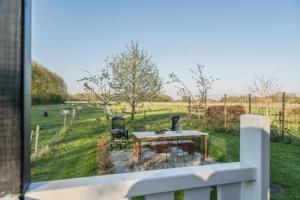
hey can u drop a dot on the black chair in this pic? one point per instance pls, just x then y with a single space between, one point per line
181 145
118 130
175 123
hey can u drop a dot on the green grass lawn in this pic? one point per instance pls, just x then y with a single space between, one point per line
74 153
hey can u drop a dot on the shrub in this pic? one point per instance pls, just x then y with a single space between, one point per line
235 112
295 111
215 115
105 163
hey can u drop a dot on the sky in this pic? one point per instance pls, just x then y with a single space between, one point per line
235 40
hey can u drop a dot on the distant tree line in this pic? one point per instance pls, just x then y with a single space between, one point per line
92 97
47 86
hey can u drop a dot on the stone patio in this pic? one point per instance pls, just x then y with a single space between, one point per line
124 161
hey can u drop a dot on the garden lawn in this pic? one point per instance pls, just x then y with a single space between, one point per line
73 153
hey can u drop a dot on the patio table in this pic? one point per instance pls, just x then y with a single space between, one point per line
151 136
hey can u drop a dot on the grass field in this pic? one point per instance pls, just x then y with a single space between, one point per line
73 153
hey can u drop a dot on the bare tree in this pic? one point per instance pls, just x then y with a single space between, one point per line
203 83
99 85
135 77
264 87
182 88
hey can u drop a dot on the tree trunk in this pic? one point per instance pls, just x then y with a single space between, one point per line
132 111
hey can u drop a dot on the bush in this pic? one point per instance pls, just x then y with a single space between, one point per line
295 111
215 115
105 163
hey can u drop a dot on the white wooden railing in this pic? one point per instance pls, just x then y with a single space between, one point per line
244 180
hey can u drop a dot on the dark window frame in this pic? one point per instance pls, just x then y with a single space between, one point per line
15 96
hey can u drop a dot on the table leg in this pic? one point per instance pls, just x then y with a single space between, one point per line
135 148
205 139
138 150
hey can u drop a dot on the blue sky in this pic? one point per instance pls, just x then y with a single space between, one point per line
234 39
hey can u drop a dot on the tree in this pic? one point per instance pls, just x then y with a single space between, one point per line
203 83
47 87
135 77
264 87
185 98
162 98
99 86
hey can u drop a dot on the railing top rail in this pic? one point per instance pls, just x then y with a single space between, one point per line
142 183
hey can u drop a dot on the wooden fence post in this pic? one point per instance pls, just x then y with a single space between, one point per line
37 133
73 114
255 135
283 116
190 109
225 111
249 104
65 122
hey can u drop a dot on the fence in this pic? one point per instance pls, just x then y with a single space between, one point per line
221 112
245 180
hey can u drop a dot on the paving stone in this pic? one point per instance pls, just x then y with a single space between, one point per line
124 161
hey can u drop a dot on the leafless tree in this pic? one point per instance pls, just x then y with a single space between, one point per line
264 87
203 83
99 85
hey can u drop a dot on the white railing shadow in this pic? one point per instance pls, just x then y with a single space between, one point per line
244 180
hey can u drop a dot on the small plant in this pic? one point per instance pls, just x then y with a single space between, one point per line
105 163
277 137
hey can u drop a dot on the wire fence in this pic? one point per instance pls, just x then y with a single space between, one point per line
222 112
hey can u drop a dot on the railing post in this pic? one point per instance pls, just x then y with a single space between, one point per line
255 151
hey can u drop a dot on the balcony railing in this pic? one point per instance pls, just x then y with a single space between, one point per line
244 180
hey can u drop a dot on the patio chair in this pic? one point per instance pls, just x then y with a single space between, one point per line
166 151
181 145
119 134
175 123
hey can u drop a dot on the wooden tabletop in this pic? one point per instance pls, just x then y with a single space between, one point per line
169 134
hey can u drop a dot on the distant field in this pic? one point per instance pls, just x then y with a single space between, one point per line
74 153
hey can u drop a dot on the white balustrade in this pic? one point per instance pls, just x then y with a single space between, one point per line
244 180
